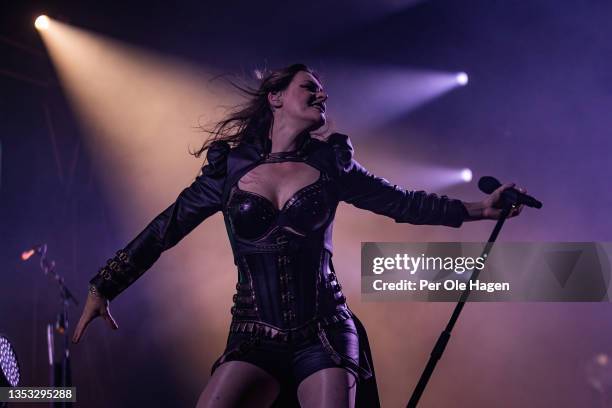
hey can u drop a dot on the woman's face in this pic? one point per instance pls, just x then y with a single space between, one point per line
304 101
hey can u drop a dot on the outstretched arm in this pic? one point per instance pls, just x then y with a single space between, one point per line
195 203
364 190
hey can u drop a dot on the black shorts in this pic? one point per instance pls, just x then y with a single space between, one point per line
336 345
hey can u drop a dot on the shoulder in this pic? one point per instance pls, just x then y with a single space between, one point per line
216 159
334 153
335 141
339 148
342 146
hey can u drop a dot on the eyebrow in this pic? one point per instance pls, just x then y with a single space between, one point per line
311 82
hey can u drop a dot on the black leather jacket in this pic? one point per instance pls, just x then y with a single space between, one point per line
283 255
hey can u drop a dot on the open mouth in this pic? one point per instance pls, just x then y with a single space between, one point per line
320 106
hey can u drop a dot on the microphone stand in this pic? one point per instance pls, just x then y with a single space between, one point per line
60 372
438 349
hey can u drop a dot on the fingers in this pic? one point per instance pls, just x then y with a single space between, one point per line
496 213
494 203
87 317
515 210
111 321
503 187
80 327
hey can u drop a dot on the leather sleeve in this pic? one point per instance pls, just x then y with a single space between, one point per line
194 204
363 189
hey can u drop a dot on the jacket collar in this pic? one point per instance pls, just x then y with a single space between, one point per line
263 145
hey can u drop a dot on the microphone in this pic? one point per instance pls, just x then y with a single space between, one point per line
489 184
27 254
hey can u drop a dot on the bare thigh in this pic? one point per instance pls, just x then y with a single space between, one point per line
331 387
238 384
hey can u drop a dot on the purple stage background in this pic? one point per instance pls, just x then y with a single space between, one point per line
536 111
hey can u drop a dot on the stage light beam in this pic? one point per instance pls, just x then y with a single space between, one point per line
466 175
462 78
42 22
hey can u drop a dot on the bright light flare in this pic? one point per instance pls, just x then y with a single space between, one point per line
466 175
392 91
462 78
27 254
138 112
42 22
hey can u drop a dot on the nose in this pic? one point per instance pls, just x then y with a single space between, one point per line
322 96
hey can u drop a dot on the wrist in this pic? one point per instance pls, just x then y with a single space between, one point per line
93 291
475 210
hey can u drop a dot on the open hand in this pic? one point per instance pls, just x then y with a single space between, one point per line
95 306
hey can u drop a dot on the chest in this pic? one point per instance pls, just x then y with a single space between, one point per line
279 182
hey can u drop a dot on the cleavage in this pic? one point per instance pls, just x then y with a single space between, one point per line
279 182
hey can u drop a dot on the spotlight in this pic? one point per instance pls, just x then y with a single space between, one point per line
602 359
466 175
42 22
9 366
462 78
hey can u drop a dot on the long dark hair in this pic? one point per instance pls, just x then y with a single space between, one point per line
252 120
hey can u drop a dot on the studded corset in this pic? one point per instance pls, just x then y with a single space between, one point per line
284 277
253 216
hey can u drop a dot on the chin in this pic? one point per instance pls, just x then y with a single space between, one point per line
317 123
